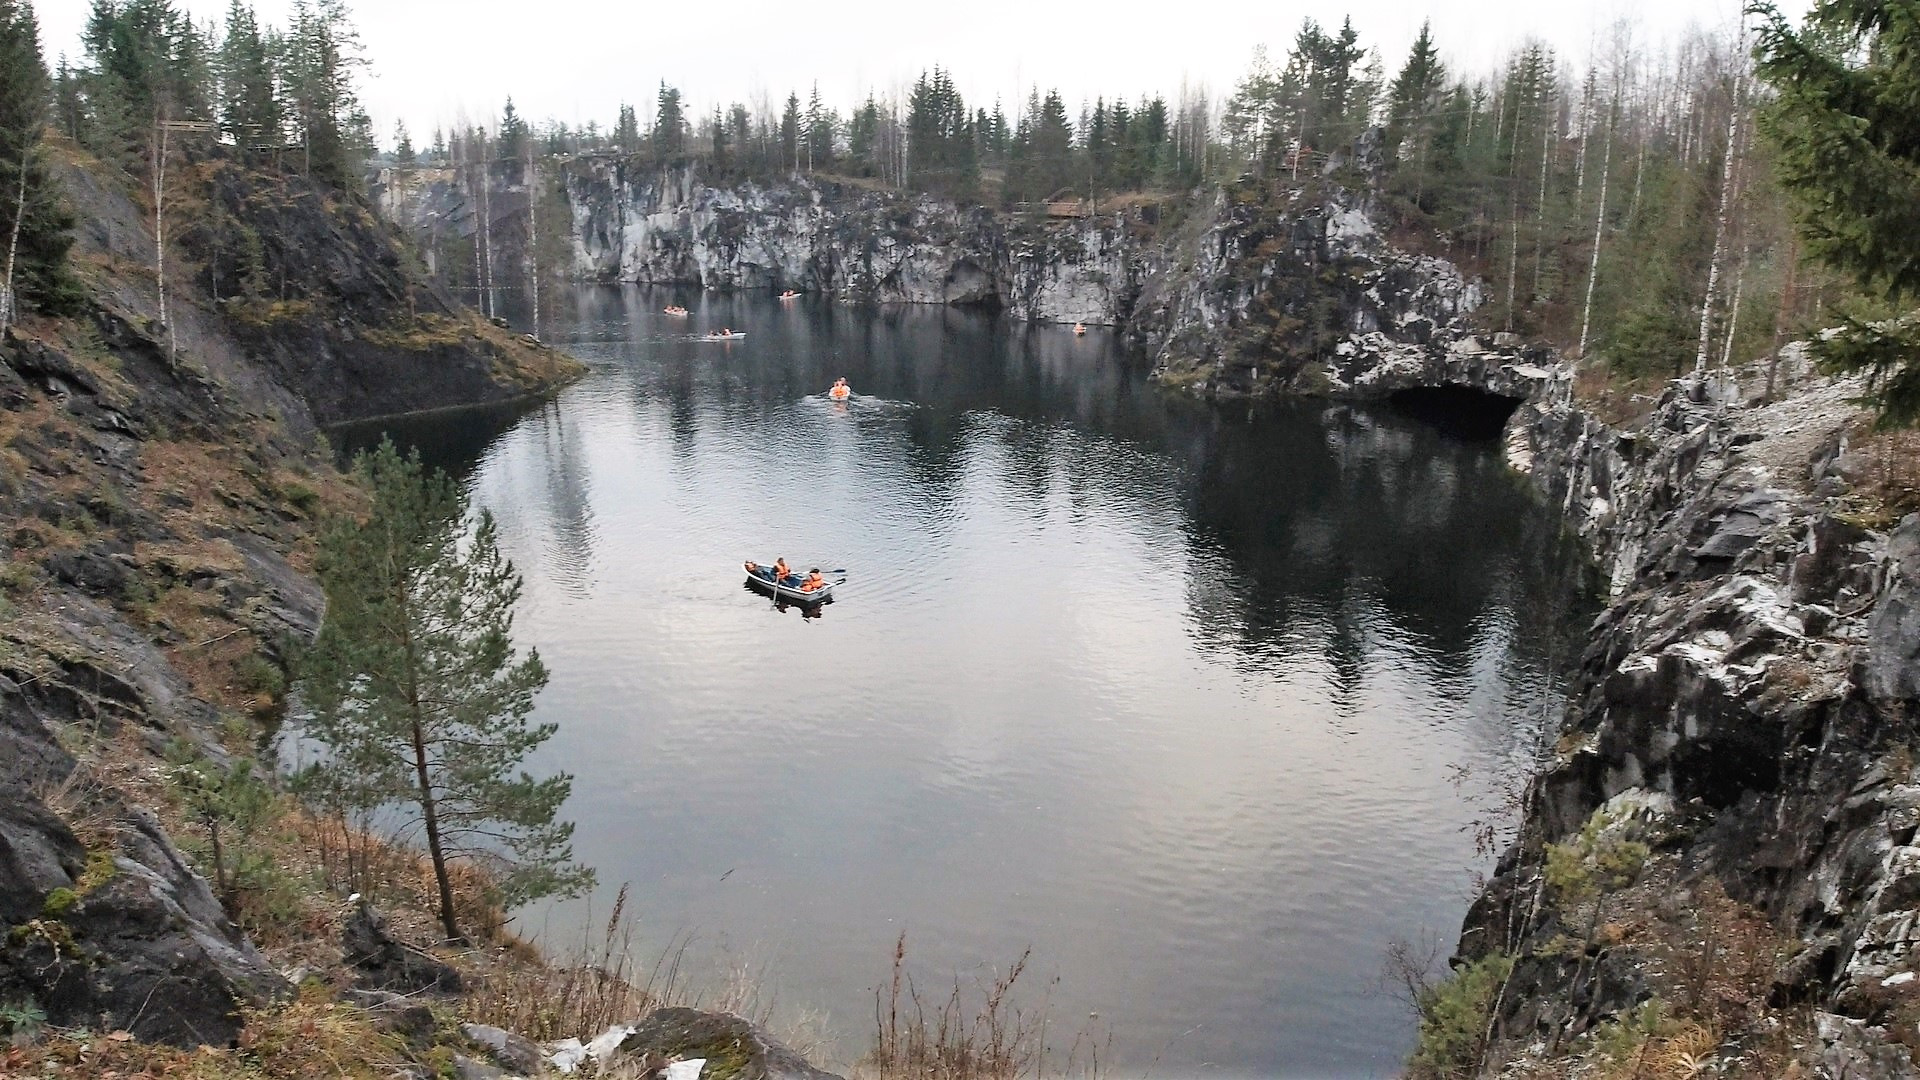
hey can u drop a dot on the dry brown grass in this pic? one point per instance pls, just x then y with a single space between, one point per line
425 333
1677 1050
1615 399
981 1032
1709 961
1884 469
578 995
309 1038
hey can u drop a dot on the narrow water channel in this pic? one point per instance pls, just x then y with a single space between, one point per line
1202 703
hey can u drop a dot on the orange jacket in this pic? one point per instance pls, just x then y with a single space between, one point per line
814 581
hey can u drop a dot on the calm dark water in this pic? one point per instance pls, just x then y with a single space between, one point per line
1198 702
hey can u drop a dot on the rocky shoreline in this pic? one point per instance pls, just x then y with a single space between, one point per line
1737 759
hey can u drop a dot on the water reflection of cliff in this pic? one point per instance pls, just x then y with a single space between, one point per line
1314 532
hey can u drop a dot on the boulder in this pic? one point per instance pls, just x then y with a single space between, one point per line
1854 1050
403 1016
732 1046
385 963
516 1052
148 949
38 854
466 1068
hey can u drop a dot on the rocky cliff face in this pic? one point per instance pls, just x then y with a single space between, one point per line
1289 288
157 493
1746 710
1264 287
633 222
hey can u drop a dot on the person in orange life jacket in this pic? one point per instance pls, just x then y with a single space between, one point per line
814 581
781 572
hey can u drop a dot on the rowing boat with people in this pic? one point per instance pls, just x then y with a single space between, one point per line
790 587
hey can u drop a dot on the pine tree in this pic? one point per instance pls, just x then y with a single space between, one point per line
229 803
418 694
35 226
1847 129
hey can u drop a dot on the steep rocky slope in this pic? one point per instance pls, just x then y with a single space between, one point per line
157 487
1290 289
1717 860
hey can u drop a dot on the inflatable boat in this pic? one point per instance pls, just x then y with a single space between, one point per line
788 588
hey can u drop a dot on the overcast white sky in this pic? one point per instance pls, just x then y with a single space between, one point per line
576 60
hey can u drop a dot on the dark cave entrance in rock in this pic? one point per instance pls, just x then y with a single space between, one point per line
1460 411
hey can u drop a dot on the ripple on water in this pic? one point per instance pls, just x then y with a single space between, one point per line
1167 693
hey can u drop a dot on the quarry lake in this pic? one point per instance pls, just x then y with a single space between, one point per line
1205 704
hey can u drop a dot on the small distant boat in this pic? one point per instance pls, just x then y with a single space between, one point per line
1079 329
731 335
840 393
761 578
789 295
676 312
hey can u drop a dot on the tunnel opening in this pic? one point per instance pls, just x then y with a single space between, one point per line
1459 411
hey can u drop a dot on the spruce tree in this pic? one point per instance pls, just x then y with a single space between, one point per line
669 124
1847 126
821 126
68 110
862 133
626 130
35 225
403 154
249 109
316 68
418 692
790 133
512 143
1414 95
